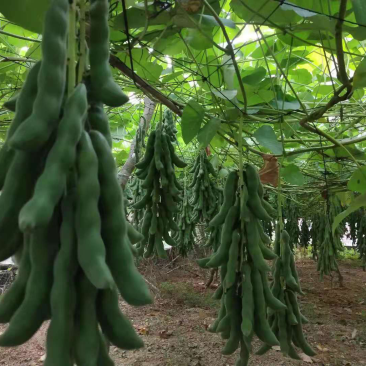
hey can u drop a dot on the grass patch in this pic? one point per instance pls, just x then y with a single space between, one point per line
185 294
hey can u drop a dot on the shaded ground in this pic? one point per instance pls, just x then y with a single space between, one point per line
174 328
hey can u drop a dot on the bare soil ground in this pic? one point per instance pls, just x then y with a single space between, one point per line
174 328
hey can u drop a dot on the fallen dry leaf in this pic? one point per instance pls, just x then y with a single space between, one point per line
305 358
270 171
164 334
143 330
354 333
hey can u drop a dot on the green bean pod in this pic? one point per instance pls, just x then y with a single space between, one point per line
297 329
35 131
130 283
222 254
261 326
272 301
290 280
63 293
247 312
175 159
86 338
98 120
25 100
104 88
253 247
91 250
133 235
117 328
149 152
103 356
35 307
51 184
229 198
12 298
233 259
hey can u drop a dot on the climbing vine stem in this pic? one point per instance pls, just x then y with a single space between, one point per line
82 44
71 48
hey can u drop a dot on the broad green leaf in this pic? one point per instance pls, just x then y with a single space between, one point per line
136 19
212 73
197 40
357 182
225 94
215 161
149 71
170 46
121 157
211 21
263 10
268 139
223 173
357 203
300 11
208 131
35 51
192 118
291 174
258 97
301 76
359 8
28 14
172 76
359 78
253 77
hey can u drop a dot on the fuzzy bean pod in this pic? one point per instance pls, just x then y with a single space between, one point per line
35 131
91 250
51 184
130 283
104 88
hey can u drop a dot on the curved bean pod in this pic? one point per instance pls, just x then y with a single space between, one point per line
36 130
51 184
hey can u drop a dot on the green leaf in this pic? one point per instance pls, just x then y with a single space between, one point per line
172 76
197 40
192 118
215 161
225 94
359 78
208 131
136 18
258 97
357 203
253 77
359 8
299 11
28 14
223 173
268 139
263 10
301 76
291 174
149 71
357 183
209 20
35 52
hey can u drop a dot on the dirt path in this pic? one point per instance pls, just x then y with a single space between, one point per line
174 329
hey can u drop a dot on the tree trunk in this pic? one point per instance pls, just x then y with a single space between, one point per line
130 163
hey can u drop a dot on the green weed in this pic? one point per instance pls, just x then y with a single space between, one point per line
185 294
